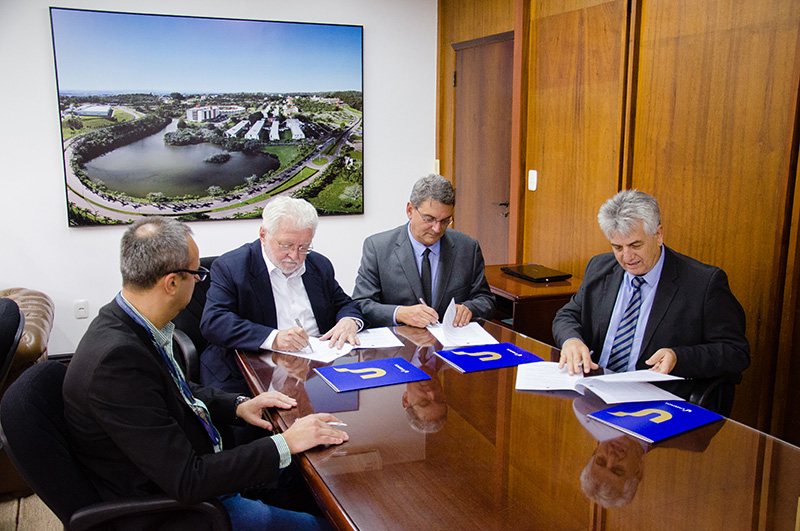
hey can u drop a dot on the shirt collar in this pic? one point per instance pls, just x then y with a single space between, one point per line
652 276
162 336
420 248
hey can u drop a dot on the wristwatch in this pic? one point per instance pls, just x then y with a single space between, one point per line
241 399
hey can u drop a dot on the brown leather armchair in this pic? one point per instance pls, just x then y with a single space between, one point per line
39 313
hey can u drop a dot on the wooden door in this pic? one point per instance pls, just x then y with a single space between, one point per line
482 149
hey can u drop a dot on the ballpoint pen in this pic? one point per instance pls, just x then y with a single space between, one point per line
333 423
308 343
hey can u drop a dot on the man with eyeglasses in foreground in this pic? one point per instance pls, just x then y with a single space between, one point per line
273 294
409 274
142 429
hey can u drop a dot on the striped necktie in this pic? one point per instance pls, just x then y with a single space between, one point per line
623 341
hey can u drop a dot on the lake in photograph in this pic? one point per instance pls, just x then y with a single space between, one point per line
149 165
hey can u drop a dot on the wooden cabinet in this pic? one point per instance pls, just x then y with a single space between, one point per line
529 307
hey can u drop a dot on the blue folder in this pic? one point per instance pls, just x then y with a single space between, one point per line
482 357
372 373
655 421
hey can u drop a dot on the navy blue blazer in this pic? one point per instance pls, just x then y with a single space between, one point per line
240 310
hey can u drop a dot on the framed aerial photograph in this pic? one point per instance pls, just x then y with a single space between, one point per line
206 118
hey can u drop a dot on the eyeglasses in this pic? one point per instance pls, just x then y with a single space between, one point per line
201 272
429 220
290 247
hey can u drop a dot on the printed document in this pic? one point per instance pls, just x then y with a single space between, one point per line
378 338
613 388
451 336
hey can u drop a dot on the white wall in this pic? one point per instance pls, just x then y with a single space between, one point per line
37 248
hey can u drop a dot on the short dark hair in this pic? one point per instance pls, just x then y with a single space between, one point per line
433 187
151 248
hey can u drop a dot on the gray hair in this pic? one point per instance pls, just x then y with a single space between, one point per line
605 494
433 187
150 249
425 426
299 212
621 214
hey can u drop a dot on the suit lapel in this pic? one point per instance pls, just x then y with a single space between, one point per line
609 290
312 281
262 285
665 293
404 254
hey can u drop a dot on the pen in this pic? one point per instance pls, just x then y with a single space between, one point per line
332 423
422 301
308 343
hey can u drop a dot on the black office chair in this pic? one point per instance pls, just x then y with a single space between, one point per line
715 394
12 323
35 433
188 322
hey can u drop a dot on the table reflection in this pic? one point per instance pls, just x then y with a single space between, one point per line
467 450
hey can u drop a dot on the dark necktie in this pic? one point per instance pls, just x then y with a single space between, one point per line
426 276
623 341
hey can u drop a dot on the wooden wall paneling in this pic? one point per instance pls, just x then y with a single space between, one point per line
461 20
519 128
716 99
785 421
576 94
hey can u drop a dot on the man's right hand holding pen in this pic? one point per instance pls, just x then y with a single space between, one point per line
292 339
419 315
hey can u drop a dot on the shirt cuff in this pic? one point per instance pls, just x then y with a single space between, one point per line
283 450
267 344
394 316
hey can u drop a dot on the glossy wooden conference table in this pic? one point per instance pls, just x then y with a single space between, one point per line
504 459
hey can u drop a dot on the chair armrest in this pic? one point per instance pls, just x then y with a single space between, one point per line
186 354
101 514
39 313
715 394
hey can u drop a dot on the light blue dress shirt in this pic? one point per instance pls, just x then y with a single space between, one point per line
623 298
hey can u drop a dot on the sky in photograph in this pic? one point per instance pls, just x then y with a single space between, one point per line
121 53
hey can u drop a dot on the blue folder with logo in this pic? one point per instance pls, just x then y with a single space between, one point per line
372 373
655 421
482 357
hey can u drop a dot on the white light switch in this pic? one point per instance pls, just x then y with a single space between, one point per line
532 180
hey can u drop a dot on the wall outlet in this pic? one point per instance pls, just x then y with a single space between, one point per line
81 309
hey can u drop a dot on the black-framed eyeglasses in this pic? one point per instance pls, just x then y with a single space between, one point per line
430 220
201 272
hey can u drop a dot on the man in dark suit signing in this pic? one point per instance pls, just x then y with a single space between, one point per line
142 429
273 294
646 306
409 274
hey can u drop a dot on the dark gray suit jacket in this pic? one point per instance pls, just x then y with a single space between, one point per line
388 276
694 313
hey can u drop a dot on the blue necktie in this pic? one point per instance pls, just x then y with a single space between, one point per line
623 341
